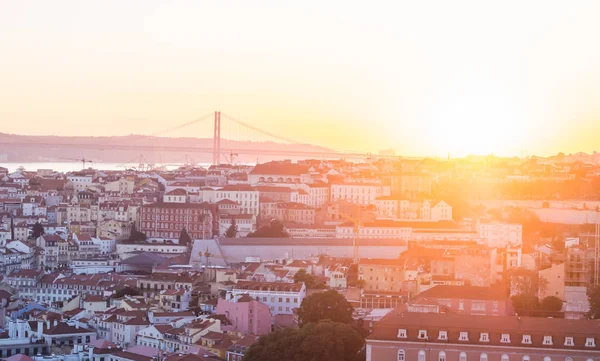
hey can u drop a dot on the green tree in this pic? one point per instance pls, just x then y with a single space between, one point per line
328 305
136 236
184 238
38 230
594 299
302 277
326 340
232 230
552 304
275 229
524 281
525 305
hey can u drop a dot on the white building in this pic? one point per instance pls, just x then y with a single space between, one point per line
244 195
80 181
501 234
281 297
375 230
106 245
177 195
358 193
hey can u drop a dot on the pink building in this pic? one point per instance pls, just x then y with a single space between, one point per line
247 315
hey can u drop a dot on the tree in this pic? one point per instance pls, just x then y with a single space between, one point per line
135 236
328 305
594 299
38 230
524 281
232 230
326 340
525 285
551 304
274 229
525 305
184 238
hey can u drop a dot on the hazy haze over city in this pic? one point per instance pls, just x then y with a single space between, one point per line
423 78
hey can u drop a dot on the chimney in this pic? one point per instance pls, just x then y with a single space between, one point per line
77 325
55 322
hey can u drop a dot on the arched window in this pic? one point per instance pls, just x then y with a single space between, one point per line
504 357
526 358
462 356
568 359
421 355
547 358
401 355
483 357
442 356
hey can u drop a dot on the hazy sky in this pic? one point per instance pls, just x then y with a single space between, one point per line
421 77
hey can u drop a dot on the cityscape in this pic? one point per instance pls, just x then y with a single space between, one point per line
315 181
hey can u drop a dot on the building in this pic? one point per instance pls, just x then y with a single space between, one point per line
473 300
411 184
499 235
285 212
247 315
237 351
282 298
555 276
357 193
166 220
406 336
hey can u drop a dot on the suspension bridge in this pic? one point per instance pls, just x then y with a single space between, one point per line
230 137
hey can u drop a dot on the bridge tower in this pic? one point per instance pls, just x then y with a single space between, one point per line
217 139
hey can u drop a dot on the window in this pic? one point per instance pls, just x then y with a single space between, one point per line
401 355
505 338
483 357
443 335
547 358
484 337
422 334
568 359
526 358
401 333
526 340
442 356
421 355
462 356
569 341
461 305
547 340
464 336
504 357
590 342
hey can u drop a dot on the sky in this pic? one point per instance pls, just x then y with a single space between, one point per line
425 78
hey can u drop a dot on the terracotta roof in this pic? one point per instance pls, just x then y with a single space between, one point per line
245 298
19 357
63 329
279 168
495 326
177 192
465 292
132 356
268 286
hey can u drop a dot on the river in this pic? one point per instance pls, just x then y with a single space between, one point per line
73 166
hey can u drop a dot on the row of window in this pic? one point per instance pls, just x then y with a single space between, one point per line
505 338
463 357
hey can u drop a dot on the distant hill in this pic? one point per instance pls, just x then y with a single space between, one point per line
11 152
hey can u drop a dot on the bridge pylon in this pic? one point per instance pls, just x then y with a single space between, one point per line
217 139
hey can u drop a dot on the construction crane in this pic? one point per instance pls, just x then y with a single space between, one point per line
357 226
82 160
